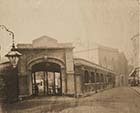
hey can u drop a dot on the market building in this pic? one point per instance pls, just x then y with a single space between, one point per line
48 68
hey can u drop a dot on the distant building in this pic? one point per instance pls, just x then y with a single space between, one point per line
112 59
135 42
109 58
135 73
123 68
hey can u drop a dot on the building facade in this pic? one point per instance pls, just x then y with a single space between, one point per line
109 58
136 51
41 59
123 69
48 68
135 74
112 59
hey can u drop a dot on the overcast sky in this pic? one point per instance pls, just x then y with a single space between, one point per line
107 22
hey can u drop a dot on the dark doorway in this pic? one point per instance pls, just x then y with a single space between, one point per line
46 79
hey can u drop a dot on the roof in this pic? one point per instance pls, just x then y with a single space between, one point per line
80 61
44 37
44 42
101 47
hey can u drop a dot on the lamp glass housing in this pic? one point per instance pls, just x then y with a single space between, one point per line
13 57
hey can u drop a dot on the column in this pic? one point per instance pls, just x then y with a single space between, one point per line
63 81
47 82
29 82
54 91
44 73
95 81
70 84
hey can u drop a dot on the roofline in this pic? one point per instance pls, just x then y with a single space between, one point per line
107 48
102 68
44 48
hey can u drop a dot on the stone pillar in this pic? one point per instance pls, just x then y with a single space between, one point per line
70 71
29 81
70 84
23 77
63 81
54 90
82 74
23 85
95 86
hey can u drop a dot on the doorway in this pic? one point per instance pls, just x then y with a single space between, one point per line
46 79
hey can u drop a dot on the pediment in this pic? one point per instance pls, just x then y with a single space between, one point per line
44 41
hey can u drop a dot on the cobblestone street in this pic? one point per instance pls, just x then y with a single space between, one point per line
117 100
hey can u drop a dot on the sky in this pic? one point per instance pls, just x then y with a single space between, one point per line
84 22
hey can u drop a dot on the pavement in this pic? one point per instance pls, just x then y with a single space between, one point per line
116 100
39 104
137 89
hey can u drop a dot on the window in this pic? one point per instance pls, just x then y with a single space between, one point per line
92 77
102 78
86 77
97 77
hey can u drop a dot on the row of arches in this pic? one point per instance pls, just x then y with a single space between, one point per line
94 81
92 77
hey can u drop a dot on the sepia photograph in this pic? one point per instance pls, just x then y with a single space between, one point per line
69 56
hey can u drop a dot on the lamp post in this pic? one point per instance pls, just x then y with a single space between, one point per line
12 55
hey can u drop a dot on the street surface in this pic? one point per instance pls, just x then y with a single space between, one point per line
116 100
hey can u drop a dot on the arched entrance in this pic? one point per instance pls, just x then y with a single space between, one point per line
47 57
46 79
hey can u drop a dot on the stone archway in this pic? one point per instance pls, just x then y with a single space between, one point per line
45 59
47 76
45 49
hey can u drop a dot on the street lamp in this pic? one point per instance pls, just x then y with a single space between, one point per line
12 55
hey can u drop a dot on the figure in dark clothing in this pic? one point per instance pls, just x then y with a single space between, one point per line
36 90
